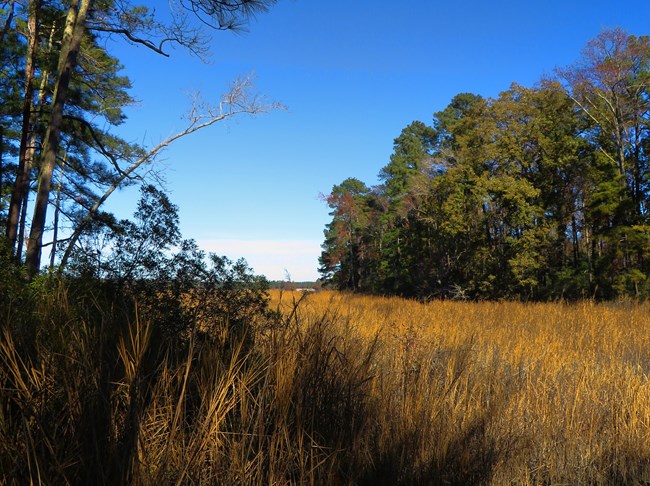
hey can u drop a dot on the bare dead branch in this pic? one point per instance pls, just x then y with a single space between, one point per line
238 100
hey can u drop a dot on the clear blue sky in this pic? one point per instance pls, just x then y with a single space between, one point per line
352 75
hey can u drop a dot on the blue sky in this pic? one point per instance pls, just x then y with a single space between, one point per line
352 75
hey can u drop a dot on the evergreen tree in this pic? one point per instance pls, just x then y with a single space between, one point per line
65 94
343 249
539 193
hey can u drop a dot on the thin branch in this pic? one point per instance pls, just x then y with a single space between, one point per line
239 100
136 40
588 113
96 139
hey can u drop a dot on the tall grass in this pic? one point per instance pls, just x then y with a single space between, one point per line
336 389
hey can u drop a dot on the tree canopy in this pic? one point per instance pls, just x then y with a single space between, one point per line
538 193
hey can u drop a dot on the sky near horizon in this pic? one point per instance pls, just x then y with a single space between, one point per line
352 77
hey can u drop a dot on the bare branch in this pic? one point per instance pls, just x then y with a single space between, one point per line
240 99
138 25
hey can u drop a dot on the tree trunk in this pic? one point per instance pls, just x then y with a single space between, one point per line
575 241
70 45
29 159
21 186
57 210
620 141
21 229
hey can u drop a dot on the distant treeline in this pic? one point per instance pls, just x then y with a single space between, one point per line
284 285
541 193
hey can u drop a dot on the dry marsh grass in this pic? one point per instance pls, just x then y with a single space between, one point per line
504 392
338 389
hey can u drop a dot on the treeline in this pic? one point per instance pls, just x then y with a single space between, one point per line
289 285
540 193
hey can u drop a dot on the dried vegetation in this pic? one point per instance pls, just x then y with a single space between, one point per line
335 389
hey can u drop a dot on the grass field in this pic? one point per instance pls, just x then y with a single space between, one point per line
504 393
342 389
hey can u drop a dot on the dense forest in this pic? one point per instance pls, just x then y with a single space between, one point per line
539 193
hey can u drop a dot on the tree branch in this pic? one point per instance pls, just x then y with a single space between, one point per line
238 100
105 152
136 40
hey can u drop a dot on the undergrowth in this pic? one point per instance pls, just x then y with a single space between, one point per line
324 389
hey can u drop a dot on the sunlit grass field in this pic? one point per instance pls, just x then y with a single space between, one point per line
503 392
336 389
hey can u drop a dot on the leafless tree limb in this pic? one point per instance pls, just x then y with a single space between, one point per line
238 100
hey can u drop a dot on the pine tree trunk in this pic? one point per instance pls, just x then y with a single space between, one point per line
21 186
57 210
21 229
73 34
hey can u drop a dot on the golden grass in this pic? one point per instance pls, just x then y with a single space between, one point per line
560 392
343 389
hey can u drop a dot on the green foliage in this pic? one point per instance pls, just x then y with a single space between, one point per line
343 243
147 260
412 150
531 195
